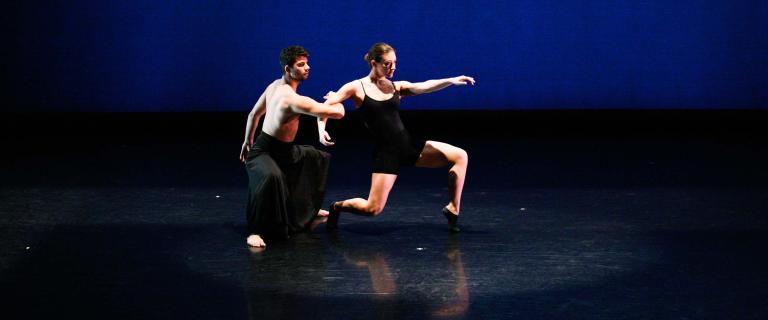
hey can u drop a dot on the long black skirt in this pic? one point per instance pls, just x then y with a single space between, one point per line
286 186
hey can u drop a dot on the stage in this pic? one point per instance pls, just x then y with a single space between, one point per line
565 215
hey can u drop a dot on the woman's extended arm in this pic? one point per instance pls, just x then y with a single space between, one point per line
412 89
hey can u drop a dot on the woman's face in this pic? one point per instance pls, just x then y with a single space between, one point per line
387 65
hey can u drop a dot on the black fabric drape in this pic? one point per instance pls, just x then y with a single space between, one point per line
286 186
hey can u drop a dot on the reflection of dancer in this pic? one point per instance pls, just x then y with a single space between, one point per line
447 295
378 99
286 182
459 305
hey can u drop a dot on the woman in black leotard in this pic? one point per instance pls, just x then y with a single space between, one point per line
378 100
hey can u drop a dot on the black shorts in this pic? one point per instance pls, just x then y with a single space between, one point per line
400 150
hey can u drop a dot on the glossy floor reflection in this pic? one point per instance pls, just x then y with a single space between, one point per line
552 228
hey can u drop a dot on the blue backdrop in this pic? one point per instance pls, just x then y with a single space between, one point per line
200 55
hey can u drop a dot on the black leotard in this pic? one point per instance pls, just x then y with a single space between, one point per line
393 146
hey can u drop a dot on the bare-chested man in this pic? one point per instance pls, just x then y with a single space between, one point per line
286 182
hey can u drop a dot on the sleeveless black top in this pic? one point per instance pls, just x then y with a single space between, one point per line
393 146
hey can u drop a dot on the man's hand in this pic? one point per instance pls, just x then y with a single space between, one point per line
329 95
244 151
325 138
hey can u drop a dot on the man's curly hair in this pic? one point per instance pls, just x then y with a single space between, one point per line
288 55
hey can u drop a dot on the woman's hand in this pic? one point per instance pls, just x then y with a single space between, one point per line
462 81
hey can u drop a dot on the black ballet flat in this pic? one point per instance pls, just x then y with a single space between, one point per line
333 218
453 220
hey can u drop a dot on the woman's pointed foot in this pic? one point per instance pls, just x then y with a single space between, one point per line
453 220
332 223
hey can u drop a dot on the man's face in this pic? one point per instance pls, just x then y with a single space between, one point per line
300 69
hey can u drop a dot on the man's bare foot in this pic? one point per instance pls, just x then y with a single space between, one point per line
256 241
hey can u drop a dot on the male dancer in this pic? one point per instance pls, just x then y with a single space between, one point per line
286 182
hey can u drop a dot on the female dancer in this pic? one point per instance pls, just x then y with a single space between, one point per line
378 99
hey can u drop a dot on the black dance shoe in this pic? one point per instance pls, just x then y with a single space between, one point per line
453 220
333 217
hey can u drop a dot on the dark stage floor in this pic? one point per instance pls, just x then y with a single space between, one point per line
566 215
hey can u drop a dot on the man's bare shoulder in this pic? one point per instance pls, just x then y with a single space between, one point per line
284 88
278 88
274 85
